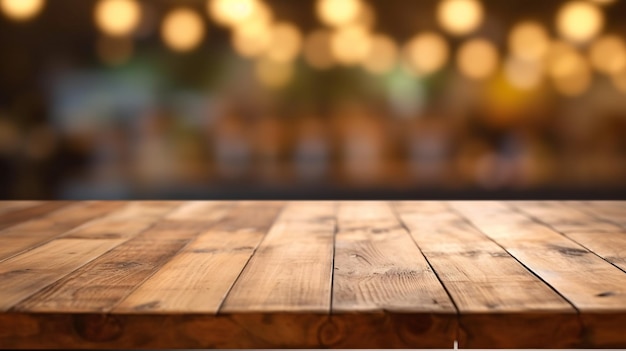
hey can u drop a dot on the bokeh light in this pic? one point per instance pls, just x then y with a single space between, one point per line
182 30
251 39
273 74
117 17
286 42
579 21
338 12
477 59
383 55
427 53
523 74
317 50
21 10
350 45
570 72
607 54
232 12
529 40
460 17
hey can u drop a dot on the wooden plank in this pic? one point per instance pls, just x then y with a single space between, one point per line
38 231
384 292
24 275
593 285
197 279
291 270
611 211
12 206
27 273
501 304
12 218
605 239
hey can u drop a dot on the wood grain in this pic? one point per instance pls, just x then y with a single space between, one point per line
488 286
291 270
32 233
587 281
605 239
12 218
198 278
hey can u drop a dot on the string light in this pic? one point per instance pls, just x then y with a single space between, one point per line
579 21
608 54
286 42
350 45
529 40
427 53
21 10
570 72
232 12
117 17
338 13
182 30
477 59
460 17
382 56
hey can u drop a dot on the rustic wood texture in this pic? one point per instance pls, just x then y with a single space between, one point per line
346 274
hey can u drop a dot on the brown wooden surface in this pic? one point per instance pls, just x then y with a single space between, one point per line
342 274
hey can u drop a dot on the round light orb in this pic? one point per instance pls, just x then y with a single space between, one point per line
477 59
117 17
607 54
570 72
251 39
21 10
286 42
427 53
232 12
529 40
182 30
460 17
383 55
338 13
523 74
350 45
579 21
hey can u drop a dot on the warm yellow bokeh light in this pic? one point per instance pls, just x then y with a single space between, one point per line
383 55
619 81
366 16
529 40
114 51
427 53
608 54
477 59
579 21
117 17
232 12
21 10
460 17
350 45
182 30
317 50
338 12
570 72
251 39
285 42
274 74
523 74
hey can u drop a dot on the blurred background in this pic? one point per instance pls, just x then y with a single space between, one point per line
190 99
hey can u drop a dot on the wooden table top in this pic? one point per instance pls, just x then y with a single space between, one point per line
249 274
